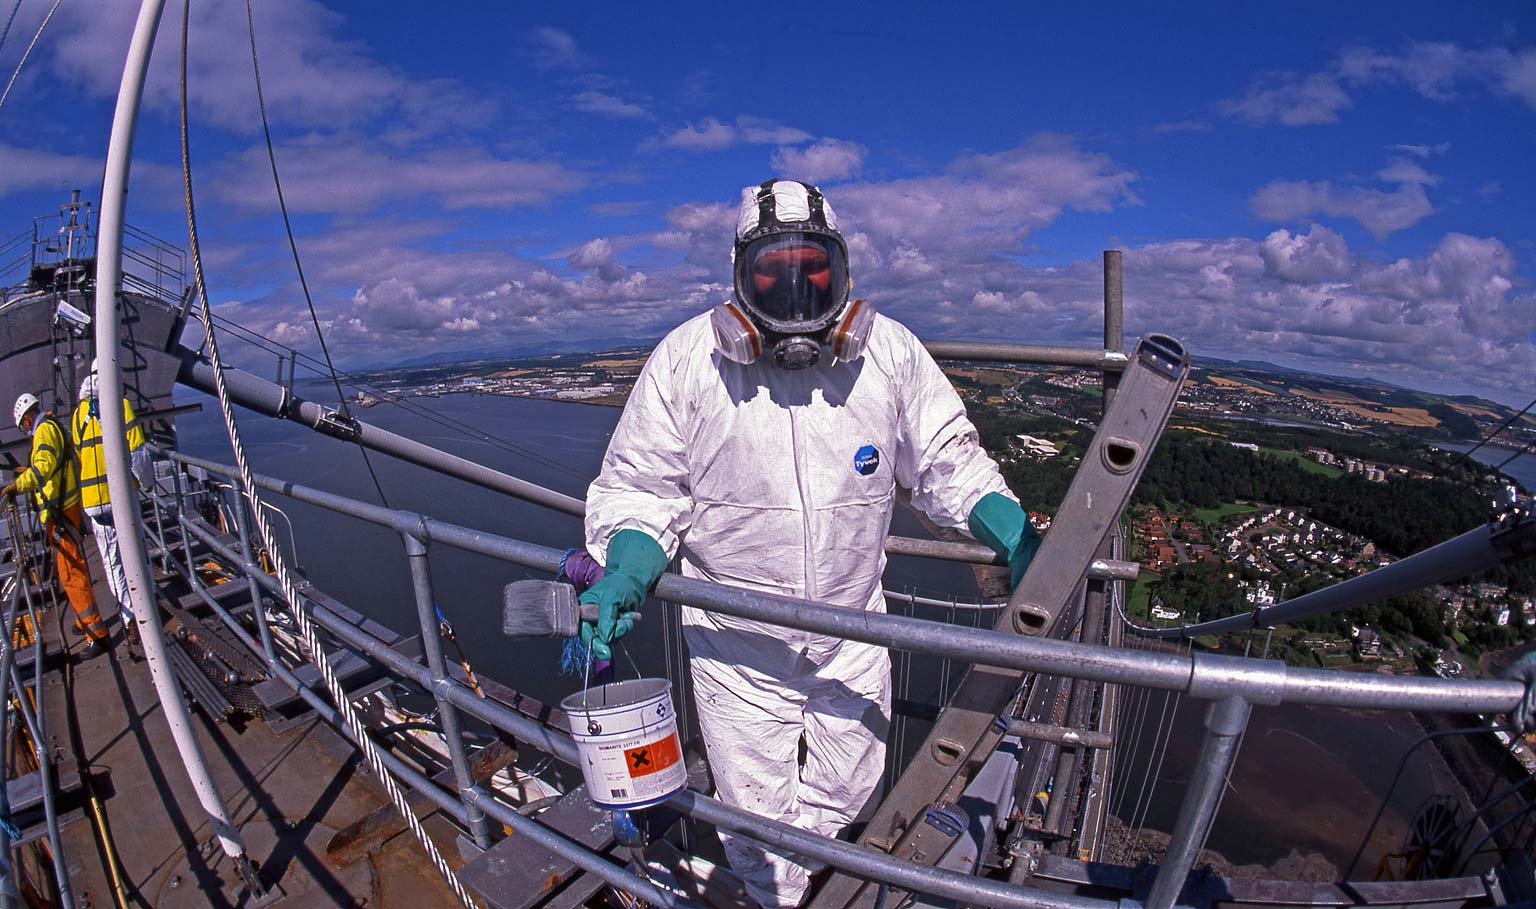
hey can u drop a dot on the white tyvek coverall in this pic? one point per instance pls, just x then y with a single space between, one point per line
750 471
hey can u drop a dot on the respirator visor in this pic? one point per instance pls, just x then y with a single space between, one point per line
794 281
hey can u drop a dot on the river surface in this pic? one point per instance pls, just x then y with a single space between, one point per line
1308 778
1522 468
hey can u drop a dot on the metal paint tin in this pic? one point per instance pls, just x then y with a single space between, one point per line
626 734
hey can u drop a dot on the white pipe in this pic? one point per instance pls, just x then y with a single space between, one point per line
125 499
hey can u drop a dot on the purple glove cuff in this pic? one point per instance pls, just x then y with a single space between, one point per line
581 569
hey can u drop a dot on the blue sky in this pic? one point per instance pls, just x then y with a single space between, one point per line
1343 189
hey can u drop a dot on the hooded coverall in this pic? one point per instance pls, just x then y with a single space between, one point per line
50 477
86 427
784 481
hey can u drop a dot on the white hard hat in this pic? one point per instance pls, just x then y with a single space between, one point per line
23 404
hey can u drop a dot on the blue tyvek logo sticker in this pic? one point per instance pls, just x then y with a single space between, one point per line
866 460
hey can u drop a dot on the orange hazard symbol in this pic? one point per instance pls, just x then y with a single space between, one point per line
652 757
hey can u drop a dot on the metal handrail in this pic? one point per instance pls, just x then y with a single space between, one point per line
1233 685
843 855
1207 676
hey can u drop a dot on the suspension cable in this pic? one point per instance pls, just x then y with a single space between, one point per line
1507 461
1501 427
8 22
28 52
404 402
293 246
359 733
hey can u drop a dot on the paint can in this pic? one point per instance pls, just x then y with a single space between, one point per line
626 735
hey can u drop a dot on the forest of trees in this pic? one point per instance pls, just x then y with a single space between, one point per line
1192 470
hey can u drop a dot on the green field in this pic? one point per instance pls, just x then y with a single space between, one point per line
1226 510
1136 605
1304 462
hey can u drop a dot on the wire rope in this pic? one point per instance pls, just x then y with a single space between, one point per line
1507 461
293 246
8 22
1501 427
403 402
1178 698
290 591
28 52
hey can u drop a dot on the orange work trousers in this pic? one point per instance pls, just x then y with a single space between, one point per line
73 575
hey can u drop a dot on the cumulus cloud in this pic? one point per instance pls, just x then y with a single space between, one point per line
1379 211
985 205
1317 257
826 159
947 255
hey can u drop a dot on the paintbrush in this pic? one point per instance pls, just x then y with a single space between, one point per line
544 609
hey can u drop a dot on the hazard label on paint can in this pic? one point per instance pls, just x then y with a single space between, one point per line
654 758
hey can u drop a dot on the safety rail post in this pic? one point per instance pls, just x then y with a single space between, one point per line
9 892
34 724
1225 721
181 520
249 566
432 645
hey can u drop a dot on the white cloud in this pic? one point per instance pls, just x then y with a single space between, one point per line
708 135
602 103
1316 257
826 159
1422 151
554 48
759 131
1439 71
985 205
312 73
24 169
1292 100
1379 211
712 134
346 174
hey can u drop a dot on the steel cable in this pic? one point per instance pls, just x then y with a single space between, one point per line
8 22
268 539
407 404
293 246
28 52
1501 427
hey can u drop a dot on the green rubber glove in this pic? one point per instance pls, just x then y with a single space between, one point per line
999 522
635 562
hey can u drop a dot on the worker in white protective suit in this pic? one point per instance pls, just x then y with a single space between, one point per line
764 441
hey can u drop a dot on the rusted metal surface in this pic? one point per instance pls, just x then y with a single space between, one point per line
366 834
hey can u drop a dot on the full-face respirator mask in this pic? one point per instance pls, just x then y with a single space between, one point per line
791 277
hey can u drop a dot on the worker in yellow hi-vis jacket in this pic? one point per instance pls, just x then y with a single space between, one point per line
51 477
94 498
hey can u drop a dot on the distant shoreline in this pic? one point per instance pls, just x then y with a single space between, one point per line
605 401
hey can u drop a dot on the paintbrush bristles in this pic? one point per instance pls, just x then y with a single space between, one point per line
539 609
